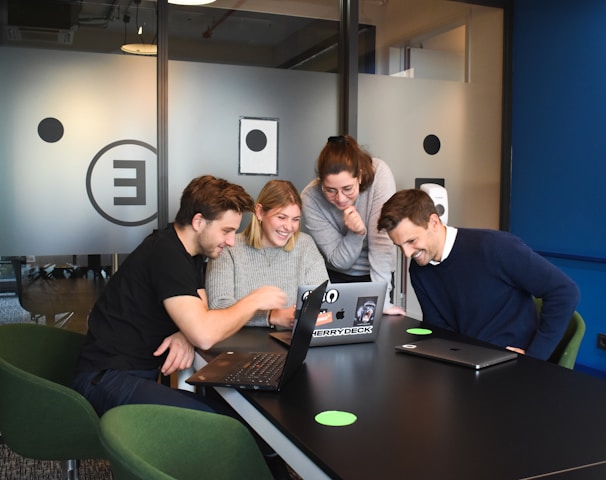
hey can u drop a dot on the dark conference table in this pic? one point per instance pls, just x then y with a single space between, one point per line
424 419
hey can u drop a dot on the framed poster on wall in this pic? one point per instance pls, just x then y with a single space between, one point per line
258 146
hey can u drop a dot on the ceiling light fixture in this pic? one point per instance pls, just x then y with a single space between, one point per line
140 48
190 2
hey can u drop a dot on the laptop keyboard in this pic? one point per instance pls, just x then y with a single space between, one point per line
260 370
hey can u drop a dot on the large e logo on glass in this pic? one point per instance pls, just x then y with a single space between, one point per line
121 183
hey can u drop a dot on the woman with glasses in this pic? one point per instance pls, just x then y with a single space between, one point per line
341 208
270 251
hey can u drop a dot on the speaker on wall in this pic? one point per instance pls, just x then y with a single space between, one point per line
439 195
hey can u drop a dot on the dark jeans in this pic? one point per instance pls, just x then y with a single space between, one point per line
110 388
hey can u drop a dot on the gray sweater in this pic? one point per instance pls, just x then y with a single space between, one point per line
343 250
241 269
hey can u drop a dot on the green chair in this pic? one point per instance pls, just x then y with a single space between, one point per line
149 442
565 354
40 416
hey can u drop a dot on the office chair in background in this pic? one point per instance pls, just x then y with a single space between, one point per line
38 308
153 442
41 417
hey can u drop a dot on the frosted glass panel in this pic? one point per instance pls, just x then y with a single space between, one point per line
78 171
78 151
207 101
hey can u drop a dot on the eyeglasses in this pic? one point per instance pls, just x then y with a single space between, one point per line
348 191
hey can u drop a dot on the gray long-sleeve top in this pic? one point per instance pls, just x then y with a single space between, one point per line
241 269
343 250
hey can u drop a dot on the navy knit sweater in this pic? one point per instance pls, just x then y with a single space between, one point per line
484 290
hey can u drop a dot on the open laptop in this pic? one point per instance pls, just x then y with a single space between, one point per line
350 313
457 352
264 370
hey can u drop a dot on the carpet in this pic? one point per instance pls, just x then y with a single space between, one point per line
11 311
16 467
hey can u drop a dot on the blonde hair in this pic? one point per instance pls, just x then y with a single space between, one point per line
275 194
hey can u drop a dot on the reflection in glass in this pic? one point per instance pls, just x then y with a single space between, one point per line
53 290
255 38
301 35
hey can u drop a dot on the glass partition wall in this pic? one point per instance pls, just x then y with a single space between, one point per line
433 111
82 167
98 143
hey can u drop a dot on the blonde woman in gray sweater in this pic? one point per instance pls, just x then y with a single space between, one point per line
270 251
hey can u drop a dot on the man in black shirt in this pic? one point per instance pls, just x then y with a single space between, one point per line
153 312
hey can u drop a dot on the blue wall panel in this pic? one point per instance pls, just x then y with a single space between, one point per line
559 125
558 194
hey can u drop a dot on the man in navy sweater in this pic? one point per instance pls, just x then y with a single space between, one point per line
479 283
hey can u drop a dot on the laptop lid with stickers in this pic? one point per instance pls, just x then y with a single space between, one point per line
350 313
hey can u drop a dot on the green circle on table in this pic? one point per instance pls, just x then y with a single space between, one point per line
335 418
419 331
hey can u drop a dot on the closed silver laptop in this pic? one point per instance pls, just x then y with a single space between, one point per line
457 352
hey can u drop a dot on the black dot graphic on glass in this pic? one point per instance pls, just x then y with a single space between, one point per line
50 130
256 140
431 144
